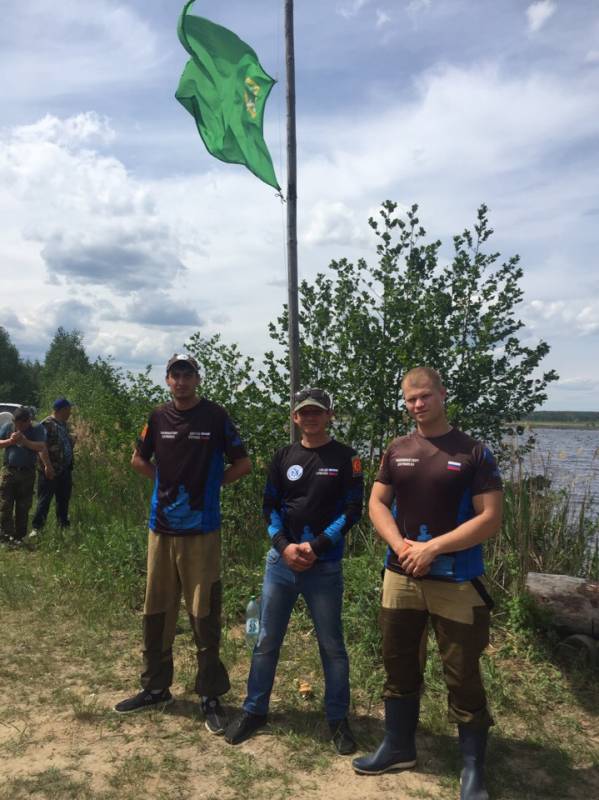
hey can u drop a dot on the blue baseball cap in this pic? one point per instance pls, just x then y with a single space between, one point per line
61 402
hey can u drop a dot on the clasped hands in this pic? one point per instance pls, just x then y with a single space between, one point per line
415 557
299 557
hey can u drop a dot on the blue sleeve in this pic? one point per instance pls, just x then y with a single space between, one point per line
272 506
352 501
234 447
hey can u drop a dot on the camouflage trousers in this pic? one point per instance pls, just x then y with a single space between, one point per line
16 495
459 617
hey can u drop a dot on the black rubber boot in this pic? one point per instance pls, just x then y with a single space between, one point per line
473 744
398 748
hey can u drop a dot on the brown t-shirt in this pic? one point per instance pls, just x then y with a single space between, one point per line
434 481
189 449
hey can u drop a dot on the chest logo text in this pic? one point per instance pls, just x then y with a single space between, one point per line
406 462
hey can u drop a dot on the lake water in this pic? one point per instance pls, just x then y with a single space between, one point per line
570 458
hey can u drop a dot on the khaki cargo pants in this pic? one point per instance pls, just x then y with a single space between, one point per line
187 565
460 619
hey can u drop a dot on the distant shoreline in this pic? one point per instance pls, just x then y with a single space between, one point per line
566 420
582 426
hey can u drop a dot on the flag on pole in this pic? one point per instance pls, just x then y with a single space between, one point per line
225 89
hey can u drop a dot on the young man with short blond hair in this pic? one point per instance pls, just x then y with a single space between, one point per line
448 496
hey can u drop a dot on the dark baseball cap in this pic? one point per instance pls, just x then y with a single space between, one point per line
311 396
61 402
184 359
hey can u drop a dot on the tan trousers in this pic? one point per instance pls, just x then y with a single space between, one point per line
460 620
188 566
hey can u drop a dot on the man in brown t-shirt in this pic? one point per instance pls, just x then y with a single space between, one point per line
448 497
183 449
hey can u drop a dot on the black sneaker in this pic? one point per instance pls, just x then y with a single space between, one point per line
145 699
214 715
342 737
244 726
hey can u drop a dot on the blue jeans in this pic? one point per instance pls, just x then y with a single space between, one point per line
322 589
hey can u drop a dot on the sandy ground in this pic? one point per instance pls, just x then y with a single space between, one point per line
59 739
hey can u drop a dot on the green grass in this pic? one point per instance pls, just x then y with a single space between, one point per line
72 630
78 662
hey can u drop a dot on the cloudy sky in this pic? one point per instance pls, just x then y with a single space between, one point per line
115 221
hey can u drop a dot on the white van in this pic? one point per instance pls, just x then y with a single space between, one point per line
8 409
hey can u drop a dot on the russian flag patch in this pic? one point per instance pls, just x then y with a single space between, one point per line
454 466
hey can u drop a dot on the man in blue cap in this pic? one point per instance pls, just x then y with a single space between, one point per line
59 442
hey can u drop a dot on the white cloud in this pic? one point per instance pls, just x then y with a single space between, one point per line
587 320
9 319
465 128
382 18
574 316
147 348
351 7
93 223
417 6
334 223
538 13
86 128
103 42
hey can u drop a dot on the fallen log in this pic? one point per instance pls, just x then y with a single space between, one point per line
572 603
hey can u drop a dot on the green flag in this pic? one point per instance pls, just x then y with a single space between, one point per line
225 89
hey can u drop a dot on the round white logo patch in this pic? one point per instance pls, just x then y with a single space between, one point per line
295 472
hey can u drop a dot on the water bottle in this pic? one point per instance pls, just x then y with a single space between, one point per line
252 622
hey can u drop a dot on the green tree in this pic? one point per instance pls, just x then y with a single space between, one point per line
229 378
18 378
66 353
362 328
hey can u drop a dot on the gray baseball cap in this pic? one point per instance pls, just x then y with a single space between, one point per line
183 359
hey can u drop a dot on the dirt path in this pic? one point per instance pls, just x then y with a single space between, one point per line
59 738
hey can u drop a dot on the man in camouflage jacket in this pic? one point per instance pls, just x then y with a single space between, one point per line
59 442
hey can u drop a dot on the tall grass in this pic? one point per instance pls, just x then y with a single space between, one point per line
543 530
103 554
104 550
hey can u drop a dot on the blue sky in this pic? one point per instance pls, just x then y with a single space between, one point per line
115 221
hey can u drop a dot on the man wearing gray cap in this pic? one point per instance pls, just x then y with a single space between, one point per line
182 449
313 496
60 451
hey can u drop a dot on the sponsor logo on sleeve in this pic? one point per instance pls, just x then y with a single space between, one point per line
202 436
168 434
327 471
356 465
295 472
